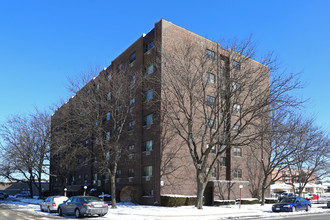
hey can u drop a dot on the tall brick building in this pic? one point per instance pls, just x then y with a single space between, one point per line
150 168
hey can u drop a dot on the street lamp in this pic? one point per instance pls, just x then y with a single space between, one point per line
240 195
65 189
85 187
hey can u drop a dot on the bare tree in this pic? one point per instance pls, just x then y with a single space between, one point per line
213 111
311 154
273 160
25 149
102 111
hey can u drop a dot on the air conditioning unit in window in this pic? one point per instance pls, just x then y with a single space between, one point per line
147 178
147 152
130 179
118 180
131 64
130 156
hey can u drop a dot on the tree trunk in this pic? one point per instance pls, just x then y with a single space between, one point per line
200 190
113 191
263 191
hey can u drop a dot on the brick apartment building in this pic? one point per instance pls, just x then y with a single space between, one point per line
285 176
141 170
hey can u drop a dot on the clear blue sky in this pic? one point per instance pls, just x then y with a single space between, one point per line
44 42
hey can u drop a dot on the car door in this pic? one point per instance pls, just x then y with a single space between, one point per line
45 203
71 206
298 204
66 206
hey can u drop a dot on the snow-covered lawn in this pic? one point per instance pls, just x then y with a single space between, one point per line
128 211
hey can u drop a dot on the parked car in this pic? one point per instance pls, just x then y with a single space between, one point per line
3 195
286 195
50 204
83 206
328 204
22 195
312 197
292 204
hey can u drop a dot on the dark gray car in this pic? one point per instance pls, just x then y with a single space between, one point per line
83 206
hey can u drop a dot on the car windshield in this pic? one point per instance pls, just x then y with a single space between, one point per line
287 200
92 199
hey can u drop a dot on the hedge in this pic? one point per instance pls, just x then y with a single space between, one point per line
271 201
249 201
224 202
171 201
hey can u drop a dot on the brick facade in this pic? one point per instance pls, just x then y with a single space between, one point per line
147 189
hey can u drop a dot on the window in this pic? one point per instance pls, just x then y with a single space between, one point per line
118 111
131 125
119 67
210 100
132 103
107 136
109 77
133 80
131 148
132 57
130 172
210 123
118 174
237 152
236 65
107 177
236 108
150 69
107 155
148 193
212 172
108 116
235 129
149 94
119 153
148 120
109 96
213 150
148 145
237 173
149 46
210 77
222 161
236 86
147 171
210 54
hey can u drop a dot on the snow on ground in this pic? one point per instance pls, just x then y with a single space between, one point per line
128 211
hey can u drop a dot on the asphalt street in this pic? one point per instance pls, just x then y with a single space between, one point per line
322 216
10 214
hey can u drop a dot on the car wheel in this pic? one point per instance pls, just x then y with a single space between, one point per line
308 208
77 213
41 208
101 215
60 213
48 210
293 209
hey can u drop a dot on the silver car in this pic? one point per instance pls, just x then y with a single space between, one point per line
83 206
50 204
